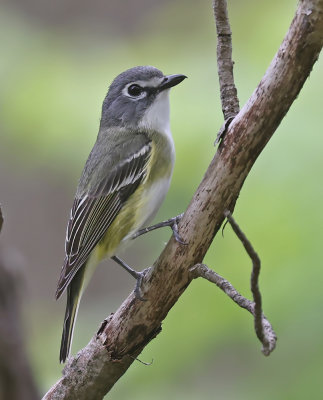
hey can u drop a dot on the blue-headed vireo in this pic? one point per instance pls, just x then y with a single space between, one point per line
124 181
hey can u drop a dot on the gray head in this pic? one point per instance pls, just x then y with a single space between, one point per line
138 98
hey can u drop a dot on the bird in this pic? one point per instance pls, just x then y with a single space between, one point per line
124 181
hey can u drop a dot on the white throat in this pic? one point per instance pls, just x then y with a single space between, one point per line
156 117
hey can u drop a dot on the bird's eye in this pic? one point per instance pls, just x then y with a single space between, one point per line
135 90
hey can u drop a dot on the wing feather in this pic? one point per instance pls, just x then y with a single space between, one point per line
92 214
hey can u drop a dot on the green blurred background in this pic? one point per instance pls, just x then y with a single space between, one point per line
57 61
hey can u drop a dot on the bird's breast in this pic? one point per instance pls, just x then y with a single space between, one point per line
158 178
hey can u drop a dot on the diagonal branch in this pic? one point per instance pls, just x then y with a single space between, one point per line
97 367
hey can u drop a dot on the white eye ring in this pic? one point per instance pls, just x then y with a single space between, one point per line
134 91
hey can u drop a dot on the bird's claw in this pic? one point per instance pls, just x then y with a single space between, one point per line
137 290
174 226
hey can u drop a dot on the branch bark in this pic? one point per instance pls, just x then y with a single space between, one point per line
97 367
228 90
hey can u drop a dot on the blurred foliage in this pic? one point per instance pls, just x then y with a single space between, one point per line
53 81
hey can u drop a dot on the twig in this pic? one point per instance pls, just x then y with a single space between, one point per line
228 90
259 328
202 271
254 274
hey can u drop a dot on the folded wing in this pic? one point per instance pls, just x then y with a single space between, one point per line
93 213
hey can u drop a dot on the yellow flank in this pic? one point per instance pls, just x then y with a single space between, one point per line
143 203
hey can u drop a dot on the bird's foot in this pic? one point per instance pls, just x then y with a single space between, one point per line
137 275
174 225
137 290
171 222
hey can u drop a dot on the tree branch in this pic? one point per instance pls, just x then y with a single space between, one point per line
269 336
266 336
97 367
254 275
228 91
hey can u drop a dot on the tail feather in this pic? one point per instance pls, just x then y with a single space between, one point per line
74 293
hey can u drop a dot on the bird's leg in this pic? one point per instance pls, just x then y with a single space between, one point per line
137 275
172 222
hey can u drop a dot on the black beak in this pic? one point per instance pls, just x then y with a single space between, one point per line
170 81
